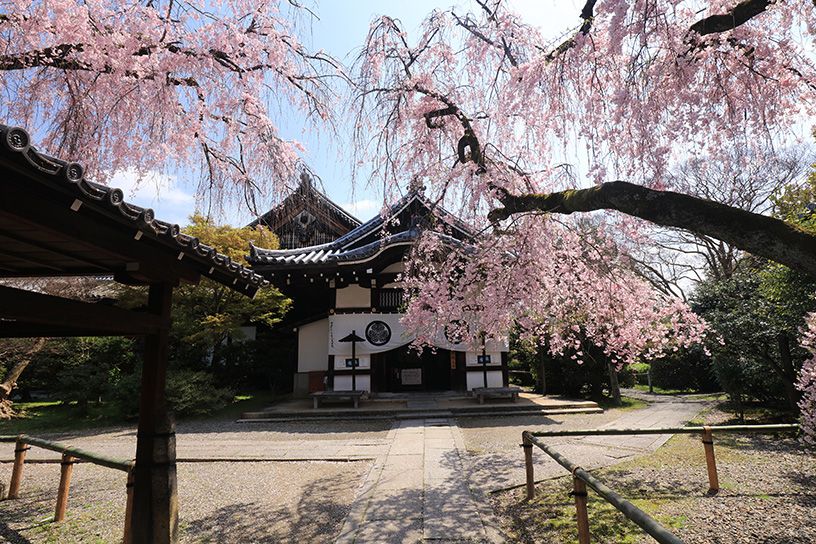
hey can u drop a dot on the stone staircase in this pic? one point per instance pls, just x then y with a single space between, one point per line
424 407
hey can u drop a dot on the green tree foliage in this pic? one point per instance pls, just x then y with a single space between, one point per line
207 316
687 369
756 316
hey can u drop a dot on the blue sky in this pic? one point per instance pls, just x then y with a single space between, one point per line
340 31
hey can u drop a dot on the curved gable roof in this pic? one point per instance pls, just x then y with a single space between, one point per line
368 239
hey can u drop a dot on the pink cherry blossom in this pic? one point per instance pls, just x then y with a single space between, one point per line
807 383
172 84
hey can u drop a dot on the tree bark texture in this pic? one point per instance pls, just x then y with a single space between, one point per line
10 382
761 235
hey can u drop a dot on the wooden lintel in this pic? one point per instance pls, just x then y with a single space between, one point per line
18 329
36 308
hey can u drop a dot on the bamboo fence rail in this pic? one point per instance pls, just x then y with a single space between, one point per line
70 456
581 478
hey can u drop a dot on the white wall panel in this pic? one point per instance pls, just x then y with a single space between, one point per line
313 350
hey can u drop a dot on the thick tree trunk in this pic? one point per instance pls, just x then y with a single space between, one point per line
614 387
542 376
758 234
10 381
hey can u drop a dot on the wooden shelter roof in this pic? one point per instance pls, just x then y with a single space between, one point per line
55 222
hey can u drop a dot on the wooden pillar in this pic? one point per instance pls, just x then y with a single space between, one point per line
66 470
127 538
155 502
17 471
579 491
711 463
528 466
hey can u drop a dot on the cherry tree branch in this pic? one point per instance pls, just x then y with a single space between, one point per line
761 235
741 14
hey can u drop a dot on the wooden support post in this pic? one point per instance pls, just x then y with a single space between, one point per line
711 462
66 471
155 500
528 465
126 538
579 491
17 471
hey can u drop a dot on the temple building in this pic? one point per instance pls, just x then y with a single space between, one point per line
307 217
347 288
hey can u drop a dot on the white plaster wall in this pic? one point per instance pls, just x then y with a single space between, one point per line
313 347
394 268
340 361
353 296
471 358
476 379
343 383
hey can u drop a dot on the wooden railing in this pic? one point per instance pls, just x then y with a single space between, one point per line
581 478
70 456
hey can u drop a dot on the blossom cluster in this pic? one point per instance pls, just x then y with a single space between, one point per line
179 85
807 383
560 287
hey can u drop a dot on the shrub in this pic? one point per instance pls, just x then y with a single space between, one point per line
195 393
685 370
189 393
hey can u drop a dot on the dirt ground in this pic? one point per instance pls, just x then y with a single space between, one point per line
218 502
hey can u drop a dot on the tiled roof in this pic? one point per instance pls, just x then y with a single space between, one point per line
350 248
205 259
307 189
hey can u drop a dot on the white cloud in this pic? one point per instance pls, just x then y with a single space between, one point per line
161 192
363 209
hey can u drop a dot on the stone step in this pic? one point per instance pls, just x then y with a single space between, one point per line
268 417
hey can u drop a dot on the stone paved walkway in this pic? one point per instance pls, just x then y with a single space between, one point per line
419 491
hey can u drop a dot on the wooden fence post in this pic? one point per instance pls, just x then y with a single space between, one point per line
64 486
711 463
17 470
579 491
126 539
528 465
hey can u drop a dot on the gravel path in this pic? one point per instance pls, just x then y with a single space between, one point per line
227 439
219 502
251 502
496 462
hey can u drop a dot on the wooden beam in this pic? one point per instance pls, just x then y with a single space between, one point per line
19 329
13 255
15 236
28 307
95 231
155 501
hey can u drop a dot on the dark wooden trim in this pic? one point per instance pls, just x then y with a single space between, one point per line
28 307
330 373
9 254
348 372
97 232
155 502
61 252
15 329
505 369
479 368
